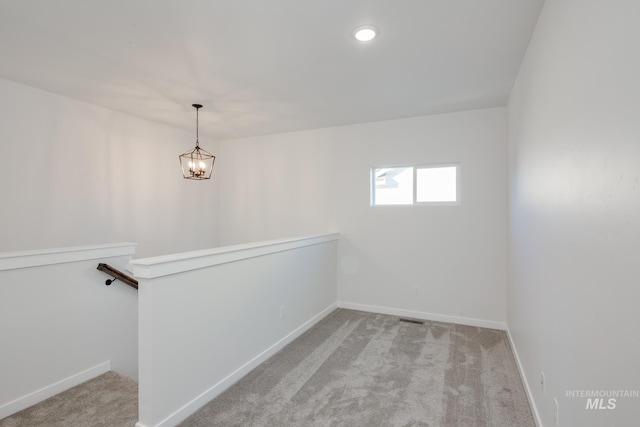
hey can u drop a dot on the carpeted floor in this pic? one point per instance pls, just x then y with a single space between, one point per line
109 400
361 369
351 369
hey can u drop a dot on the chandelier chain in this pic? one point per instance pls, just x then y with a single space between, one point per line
197 126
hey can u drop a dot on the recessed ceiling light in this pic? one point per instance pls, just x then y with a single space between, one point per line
365 33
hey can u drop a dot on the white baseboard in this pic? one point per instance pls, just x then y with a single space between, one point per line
527 388
491 324
191 407
37 396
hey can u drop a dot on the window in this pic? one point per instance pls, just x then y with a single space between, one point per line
410 185
437 184
393 186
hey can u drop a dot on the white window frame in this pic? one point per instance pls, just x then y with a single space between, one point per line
415 167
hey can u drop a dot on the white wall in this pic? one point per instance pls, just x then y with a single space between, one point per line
277 186
210 317
76 174
574 209
60 325
313 181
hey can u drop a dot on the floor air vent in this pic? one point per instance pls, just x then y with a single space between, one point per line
416 321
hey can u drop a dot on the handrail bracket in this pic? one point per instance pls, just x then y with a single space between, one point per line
117 275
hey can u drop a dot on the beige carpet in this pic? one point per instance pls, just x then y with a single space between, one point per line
361 369
109 400
351 369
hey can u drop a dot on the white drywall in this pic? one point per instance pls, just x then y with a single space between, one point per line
75 174
203 329
314 181
574 210
60 325
277 186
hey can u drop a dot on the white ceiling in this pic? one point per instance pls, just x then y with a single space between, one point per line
262 67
